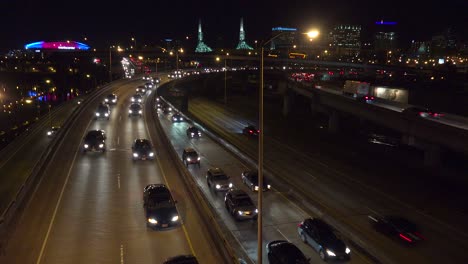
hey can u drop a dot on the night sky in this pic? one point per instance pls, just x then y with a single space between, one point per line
115 22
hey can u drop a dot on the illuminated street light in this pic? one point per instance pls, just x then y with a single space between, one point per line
312 34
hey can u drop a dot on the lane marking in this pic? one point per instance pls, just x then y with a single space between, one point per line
122 254
120 118
281 233
118 141
44 243
168 186
118 180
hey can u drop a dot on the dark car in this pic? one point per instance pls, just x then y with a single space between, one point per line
239 205
52 131
420 111
190 156
160 207
148 85
157 80
321 237
397 227
181 259
103 111
141 89
284 252
365 99
250 130
135 109
110 99
166 109
142 149
250 178
95 140
136 98
218 180
177 118
193 132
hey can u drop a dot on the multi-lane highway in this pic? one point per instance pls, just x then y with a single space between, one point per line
346 194
88 207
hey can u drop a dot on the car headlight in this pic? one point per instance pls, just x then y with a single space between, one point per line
107 100
157 99
97 114
133 99
331 253
129 111
135 155
269 186
86 146
139 100
230 185
240 212
170 109
49 133
188 159
106 114
175 218
140 112
198 158
256 211
151 154
152 221
218 186
192 134
101 145
347 250
114 100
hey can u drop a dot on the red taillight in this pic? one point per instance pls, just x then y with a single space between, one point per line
300 224
406 238
372 98
250 131
258 131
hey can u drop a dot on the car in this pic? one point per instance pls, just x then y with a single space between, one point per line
148 85
160 208
103 111
95 140
193 132
142 149
146 78
284 252
166 109
159 106
141 89
176 118
157 80
135 109
218 180
240 205
250 130
181 259
110 99
136 98
397 227
52 131
421 111
79 101
321 237
158 99
365 99
190 156
250 178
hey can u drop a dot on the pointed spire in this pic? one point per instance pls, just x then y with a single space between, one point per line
201 46
242 44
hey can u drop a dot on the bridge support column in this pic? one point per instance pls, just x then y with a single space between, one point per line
288 100
333 122
432 156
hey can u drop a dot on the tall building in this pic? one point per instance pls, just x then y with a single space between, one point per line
385 37
242 44
345 40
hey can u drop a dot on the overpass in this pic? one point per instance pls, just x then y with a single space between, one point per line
429 134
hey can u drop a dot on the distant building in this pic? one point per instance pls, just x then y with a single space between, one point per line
419 49
286 40
444 43
345 40
385 36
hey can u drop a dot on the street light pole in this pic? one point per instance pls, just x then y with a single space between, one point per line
225 81
110 64
260 165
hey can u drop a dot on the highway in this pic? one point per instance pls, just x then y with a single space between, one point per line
88 207
346 192
281 215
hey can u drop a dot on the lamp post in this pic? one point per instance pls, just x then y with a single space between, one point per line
134 40
311 35
110 63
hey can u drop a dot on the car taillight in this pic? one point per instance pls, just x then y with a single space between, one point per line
258 131
406 238
419 235
250 131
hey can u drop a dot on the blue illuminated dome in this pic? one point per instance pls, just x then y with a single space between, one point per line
57 45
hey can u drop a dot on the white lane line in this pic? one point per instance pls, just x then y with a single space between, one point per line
244 249
118 180
118 141
121 254
277 229
120 118
44 243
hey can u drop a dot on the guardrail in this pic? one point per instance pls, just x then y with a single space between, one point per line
222 233
17 204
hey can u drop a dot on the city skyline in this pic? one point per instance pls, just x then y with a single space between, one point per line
100 23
